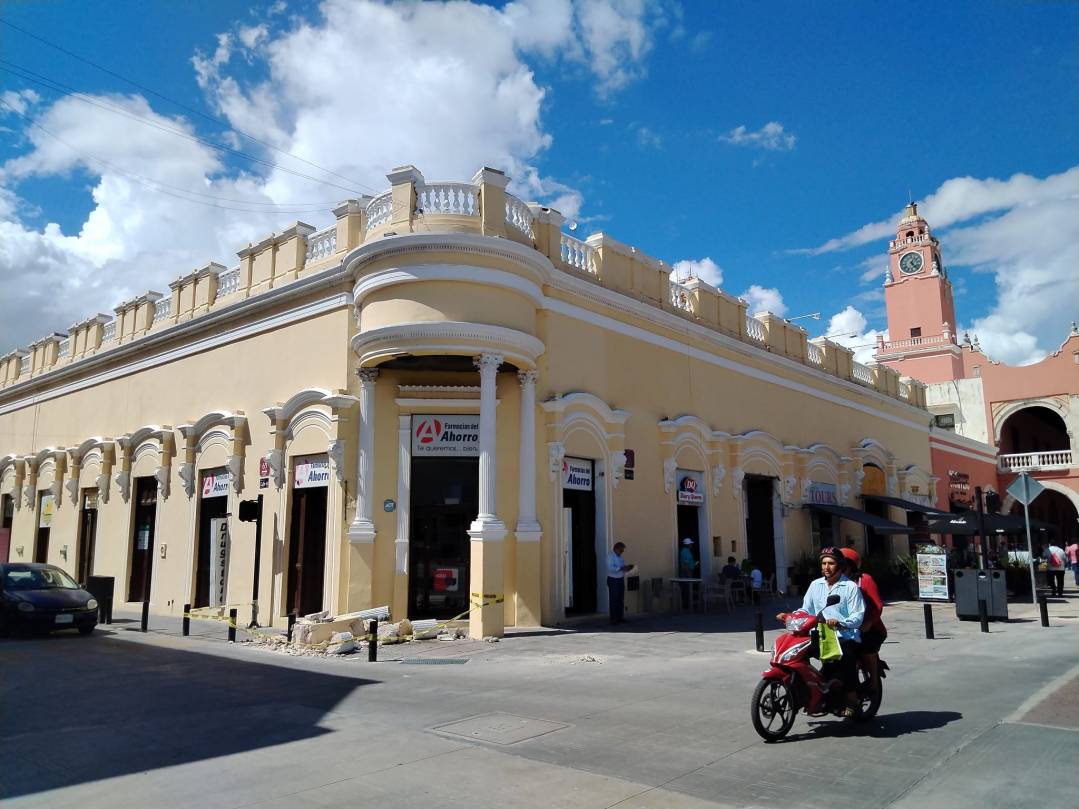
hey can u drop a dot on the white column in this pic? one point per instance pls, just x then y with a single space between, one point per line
528 528
404 489
487 525
363 526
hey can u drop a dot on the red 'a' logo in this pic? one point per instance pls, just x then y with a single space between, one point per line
428 430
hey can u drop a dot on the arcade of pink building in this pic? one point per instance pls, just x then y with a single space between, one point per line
990 421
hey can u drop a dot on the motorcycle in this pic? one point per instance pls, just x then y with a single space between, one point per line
792 684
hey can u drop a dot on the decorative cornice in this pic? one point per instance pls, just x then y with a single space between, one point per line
378 345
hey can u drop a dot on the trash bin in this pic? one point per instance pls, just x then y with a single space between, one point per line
972 585
101 588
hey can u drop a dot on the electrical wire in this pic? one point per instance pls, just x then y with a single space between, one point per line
72 93
181 105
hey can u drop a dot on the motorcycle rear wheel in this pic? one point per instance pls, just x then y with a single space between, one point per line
772 709
870 697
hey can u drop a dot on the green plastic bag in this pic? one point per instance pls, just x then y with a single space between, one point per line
829 644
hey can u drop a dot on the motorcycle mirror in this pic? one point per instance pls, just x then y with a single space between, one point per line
832 601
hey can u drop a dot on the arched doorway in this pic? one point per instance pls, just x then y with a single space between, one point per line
875 483
1057 510
1034 429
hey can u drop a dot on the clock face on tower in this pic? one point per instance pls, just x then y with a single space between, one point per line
910 263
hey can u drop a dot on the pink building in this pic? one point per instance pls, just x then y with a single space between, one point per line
990 421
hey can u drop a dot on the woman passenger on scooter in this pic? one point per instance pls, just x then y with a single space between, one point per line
873 630
845 617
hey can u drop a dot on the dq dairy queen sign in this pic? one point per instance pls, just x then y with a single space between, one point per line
457 436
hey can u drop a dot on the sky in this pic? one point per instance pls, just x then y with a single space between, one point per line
768 148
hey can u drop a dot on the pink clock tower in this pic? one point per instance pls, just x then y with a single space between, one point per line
921 311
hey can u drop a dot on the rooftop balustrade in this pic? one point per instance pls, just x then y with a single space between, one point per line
1036 461
483 206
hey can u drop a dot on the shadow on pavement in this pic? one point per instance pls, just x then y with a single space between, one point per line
80 709
886 726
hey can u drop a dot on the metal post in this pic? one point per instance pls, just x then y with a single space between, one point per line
983 558
760 632
187 620
108 617
145 614
291 623
372 641
1030 547
928 610
232 625
983 614
1043 606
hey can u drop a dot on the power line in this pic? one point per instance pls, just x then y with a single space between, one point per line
158 186
71 92
181 105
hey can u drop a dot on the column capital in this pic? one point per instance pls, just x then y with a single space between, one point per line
367 375
528 377
487 362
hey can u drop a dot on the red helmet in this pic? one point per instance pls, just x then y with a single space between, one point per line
852 556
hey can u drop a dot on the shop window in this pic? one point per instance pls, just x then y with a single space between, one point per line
822 527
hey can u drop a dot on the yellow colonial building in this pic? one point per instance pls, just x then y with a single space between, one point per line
441 400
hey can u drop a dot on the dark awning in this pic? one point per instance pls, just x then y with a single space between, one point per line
878 524
966 524
899 502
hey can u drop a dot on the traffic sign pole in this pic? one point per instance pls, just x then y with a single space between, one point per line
1030 548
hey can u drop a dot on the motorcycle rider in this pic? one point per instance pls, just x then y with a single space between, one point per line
873 630
845 617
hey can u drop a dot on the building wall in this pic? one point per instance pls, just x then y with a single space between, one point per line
965 400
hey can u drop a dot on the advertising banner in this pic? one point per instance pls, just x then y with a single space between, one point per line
577 474
311 472
932 573
823 493
48 508
689 493
219 561
446 436
215 483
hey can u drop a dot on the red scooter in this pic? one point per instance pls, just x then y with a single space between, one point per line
793 684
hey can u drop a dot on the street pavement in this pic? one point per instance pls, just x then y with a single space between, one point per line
654 714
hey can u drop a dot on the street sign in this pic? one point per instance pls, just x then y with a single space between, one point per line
1025 488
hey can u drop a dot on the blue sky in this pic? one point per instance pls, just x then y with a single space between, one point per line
769 145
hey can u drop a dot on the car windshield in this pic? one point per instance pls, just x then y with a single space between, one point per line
28 578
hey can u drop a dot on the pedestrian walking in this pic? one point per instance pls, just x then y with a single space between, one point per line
1072 552
616 582
1055 558
687 562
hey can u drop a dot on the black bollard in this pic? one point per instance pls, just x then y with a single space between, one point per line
983 614
372 641
760 632
928 610
232 625
108 610
187 620
145 615
291 623
1043 606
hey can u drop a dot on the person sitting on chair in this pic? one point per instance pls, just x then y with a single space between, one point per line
731 570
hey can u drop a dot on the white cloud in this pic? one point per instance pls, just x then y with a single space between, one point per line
764 299
647 138
461 95
18 101
848 328
1030 247
772 137
705 269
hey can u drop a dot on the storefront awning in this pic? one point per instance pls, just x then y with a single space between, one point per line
878 524
899 502
966 524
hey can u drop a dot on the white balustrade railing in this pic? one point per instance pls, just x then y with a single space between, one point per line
916 342
162 308
904 390
24 365
108 331
453 198
379 210
578 254
815 354
322 244
228 282
65 349
908 240
680 297
520 216
863 374
1029 461
755 329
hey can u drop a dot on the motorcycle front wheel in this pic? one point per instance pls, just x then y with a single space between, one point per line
869 696
772 709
